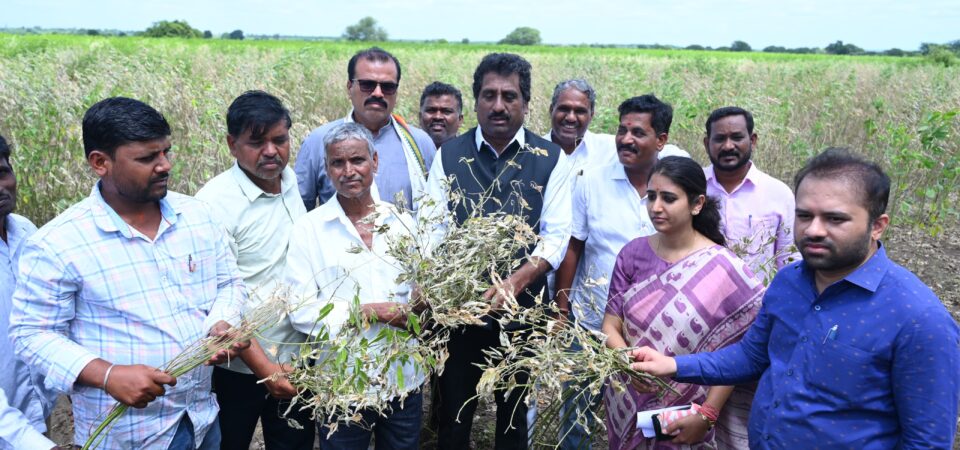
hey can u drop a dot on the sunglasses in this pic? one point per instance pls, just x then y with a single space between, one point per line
368 86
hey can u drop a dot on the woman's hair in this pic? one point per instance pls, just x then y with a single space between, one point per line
687 174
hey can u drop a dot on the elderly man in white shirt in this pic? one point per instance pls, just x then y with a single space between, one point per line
258 201
609 210
336 256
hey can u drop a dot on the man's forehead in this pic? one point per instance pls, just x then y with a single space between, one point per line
440 100
151 146
836 194
366 67
636 119
494 80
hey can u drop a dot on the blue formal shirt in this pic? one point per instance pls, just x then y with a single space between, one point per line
872 362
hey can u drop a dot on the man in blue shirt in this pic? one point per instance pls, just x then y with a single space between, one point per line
851 349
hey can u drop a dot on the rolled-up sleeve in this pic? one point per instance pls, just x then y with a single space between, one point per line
557 214
44 303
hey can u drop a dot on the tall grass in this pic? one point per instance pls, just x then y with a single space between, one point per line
802 103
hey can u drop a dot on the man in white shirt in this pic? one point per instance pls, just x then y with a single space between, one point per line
572 109
496 160
257 200
336 256
21 406
441 112
609 210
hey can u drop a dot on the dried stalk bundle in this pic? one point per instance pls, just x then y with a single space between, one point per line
257 319
543 351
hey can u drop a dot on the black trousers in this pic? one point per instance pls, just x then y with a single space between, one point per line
459 383
243 402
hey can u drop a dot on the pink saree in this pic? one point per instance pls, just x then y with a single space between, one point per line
701 303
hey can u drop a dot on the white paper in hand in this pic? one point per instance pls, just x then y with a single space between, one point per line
645 419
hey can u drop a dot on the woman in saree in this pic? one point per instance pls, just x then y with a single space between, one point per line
680 291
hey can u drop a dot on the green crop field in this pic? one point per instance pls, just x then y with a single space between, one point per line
902 112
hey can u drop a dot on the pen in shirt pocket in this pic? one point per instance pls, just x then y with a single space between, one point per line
831 334
191 266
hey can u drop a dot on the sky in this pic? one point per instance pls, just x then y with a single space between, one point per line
870 24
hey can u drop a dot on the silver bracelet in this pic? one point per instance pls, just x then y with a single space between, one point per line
105 376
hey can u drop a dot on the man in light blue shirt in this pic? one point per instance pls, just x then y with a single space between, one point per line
21 406
124 281
406 152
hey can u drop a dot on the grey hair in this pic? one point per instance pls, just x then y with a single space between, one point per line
347 131
578 84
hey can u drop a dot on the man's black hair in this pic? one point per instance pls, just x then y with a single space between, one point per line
503 64
119 120
371 54
4 150
863 175
661 114
437 89
256 111
728 111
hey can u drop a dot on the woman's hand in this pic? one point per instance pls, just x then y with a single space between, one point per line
689 430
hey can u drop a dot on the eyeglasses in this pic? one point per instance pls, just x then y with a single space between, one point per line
368 86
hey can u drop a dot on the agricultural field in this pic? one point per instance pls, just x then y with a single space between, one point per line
902 112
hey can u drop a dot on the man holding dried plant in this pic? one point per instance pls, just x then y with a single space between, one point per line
499 167
338 262
123 282
851 349
257 200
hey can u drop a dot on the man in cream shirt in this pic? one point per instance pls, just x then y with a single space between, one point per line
257 200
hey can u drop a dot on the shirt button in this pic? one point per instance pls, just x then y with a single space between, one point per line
790 373
164 279
767 437
776 403
803 339
816 308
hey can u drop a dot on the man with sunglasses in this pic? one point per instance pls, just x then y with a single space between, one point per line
406 152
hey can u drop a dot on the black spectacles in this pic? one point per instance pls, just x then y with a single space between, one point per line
368 86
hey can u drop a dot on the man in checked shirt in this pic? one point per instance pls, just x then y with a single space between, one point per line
122 282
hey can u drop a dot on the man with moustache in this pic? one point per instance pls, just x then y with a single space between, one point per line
528 176
406 152
21 405
572 109
756 209
609 210
441 112
122 282
851 349
257 201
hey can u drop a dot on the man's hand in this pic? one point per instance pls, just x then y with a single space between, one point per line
498 295
137 385
688 430
222 328
653 362
278 385
643 386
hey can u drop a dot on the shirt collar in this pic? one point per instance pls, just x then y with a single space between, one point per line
252 192
332 211
349 119
752 173
109 221
16 229
868 276
581 150
520 138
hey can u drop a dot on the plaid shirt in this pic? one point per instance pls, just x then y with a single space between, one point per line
93 287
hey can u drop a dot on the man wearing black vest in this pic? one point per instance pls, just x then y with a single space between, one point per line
528 176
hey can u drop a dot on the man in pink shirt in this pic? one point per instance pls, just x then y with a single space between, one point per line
757 209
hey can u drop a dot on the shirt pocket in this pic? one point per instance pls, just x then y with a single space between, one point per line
197 278
845 376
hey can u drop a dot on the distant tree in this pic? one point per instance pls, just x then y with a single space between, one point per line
175 28
839 48
895 52
740 46
941 54
694 47
121 34
207 34
92 32
441 41
522 36
775 49
236 35
723 49
365 30
464 41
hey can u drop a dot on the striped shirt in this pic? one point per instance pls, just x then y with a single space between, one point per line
94 287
